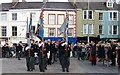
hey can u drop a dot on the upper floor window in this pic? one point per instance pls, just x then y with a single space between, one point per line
91 31
113 30
3 16
51 19
3 30
14 30
14 16
71 19
113 16
60 18
87 14
86 30
100 16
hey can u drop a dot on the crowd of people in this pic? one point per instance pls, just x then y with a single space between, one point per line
47 52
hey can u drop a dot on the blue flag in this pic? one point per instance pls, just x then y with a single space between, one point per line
41 30
64 28
30 26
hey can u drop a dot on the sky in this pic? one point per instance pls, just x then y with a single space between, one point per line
6 1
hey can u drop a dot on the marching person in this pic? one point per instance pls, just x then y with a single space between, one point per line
64 52
50 51
27 55
40 56
32 48
67 57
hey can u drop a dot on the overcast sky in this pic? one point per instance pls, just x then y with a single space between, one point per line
6 1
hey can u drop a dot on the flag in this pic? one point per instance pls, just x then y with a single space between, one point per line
64 28
28 33
30 27
40 28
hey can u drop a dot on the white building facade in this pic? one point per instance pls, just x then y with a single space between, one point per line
13 23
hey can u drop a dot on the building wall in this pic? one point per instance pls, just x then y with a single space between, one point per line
119 25
21 23
81 21
106 23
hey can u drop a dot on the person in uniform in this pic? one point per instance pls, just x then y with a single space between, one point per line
41 56
67 57
50 50
32 55
64 55
27 55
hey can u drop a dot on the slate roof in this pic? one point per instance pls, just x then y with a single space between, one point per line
37 5
60 5
95 6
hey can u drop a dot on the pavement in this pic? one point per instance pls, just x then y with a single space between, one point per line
12 65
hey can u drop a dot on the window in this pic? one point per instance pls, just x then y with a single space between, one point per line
14 30
91 29
85 14
33 29
14 16
88 14
100 16
3 16
85 29
60 18
109 4
51 32
113 30
100 29
71 19
33 15
4 30
113 16
70 32
51 19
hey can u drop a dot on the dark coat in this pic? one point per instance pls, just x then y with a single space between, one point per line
101 52
93 49
61 49
19 48
118 59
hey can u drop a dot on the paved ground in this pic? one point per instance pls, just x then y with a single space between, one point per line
12 65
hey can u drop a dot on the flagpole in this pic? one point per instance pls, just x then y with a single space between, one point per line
88 38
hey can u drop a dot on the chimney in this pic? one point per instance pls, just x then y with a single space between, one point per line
14 3
45 1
